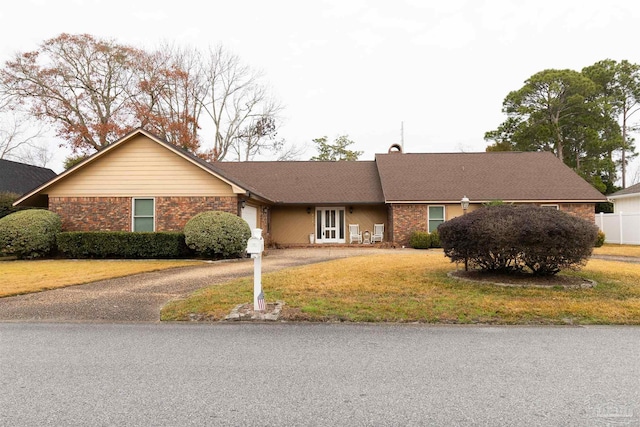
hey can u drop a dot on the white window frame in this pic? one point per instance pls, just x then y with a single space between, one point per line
133 212
429 219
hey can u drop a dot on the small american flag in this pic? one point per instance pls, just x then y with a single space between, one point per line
261 301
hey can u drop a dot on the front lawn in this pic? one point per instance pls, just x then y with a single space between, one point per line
413 286
21 277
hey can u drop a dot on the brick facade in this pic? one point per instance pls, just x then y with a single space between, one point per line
93 213
405 219
582 210
114 213
172 213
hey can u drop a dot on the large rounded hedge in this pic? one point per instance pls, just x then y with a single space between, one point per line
510 238
217 234
6 203
29 233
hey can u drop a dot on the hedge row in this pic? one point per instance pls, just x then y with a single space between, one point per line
37 233
424 240
122 244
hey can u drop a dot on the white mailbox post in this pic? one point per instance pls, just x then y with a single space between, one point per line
255 247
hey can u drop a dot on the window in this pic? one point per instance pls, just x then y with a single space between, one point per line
556 207
143 215
436 217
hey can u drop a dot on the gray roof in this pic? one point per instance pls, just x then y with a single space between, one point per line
20 178
507 176
634 189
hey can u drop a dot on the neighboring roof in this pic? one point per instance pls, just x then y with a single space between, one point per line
482 177
19 177
634 190
307 182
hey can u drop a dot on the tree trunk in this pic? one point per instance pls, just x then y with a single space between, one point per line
624 150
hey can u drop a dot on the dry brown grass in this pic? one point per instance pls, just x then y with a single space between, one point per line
618 250
21 277
414 287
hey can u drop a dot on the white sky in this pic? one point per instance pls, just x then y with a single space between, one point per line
362 68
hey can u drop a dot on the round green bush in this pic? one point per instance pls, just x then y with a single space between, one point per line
600 240
420 240
435 239
30 233
6 203
217 234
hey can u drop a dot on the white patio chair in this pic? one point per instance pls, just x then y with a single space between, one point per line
354 233
378 233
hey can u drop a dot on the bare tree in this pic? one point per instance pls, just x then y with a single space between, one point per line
290 152
171 88
93 91
237 102
20 138
256 137
635 179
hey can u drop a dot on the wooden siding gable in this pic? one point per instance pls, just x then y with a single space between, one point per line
138 165
138 168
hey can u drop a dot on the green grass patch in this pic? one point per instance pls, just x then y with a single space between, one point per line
414 287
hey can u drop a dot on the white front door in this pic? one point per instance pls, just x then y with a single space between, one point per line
330 225
250 214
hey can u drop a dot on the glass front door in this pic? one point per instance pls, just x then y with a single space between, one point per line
330 225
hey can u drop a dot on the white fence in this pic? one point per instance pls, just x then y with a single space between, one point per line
619 227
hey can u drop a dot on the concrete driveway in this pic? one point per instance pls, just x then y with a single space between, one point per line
140 297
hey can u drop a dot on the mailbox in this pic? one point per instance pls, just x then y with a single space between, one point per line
255 244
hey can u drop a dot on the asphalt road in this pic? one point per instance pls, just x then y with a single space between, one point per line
150 374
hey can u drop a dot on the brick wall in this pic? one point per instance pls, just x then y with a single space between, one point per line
172 213
407 219
114 213
582 210
93 213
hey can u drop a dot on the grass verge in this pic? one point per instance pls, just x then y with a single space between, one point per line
21 277
414 287
618 250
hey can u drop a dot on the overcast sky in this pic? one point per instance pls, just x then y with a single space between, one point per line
363 68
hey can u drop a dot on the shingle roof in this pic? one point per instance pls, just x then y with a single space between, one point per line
507 176
634 189
393 177
20 178
307 182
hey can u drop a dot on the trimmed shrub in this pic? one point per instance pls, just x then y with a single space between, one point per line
420 240
435 239
511 238
122 244
600 239
30 233
6 203
217 234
